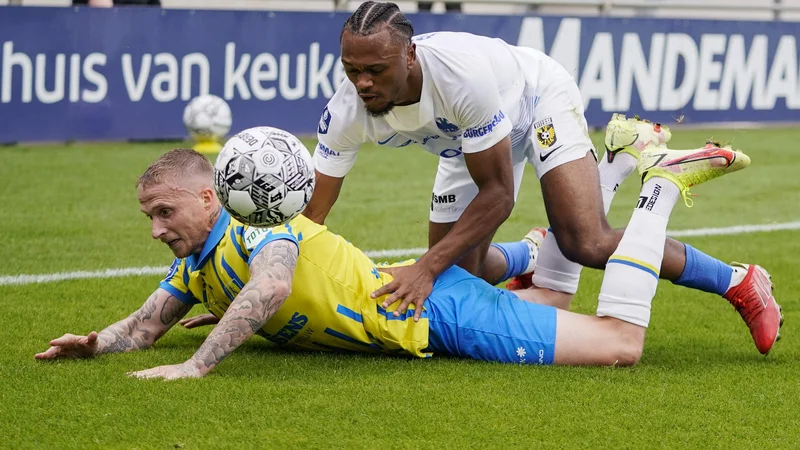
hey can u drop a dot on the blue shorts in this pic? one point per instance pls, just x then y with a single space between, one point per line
470 318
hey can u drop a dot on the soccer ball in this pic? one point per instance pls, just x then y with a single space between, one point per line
207 116
264 176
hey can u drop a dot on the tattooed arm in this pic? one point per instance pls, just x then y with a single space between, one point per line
143 328
138 331
271 272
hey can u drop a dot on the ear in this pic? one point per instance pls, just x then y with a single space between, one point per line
411 56
209 198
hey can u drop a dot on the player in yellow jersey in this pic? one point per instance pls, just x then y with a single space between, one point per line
301 286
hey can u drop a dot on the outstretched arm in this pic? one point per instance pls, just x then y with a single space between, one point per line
326 192
271 272
138 331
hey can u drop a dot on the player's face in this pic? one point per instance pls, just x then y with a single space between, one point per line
378 65
181 218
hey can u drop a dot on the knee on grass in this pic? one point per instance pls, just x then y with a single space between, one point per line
625 348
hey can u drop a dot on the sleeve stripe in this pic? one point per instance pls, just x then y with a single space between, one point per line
268 239
185 297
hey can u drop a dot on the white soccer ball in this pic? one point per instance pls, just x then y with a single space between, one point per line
264 176
207 116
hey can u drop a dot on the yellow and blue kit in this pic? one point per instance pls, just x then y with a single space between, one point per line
330 307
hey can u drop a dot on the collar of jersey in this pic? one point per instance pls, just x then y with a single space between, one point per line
426 110
426 97
196 261
426 100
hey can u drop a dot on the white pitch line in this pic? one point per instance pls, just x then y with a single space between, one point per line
737 229
81 275
395 252
8 280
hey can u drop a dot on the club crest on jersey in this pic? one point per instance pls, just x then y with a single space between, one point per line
545 132
324 121
446 126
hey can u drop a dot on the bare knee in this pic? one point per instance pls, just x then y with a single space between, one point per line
587 249
628 354
627 348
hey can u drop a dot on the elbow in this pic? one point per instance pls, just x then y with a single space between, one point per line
504 202
508 204
310 213
314 213
283 289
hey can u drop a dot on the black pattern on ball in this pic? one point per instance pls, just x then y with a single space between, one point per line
264 176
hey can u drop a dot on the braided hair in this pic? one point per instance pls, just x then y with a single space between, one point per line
371 16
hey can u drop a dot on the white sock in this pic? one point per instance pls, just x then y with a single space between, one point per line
631 276
613 174
553 270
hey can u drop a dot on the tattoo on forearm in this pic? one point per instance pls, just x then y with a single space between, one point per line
254 325
171 312
271 277
140 330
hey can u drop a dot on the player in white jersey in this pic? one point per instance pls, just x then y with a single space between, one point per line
466 98
486 107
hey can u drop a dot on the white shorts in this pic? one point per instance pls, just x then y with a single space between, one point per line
454 188
559 134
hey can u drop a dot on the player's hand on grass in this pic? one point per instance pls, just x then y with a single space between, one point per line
199 321
172 372
70 346
411 284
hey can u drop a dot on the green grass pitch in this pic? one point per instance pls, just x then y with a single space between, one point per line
701 383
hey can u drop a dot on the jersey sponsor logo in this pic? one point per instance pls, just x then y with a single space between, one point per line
438 203
324 121
444 125
450 198
254 236
326 152
290 330
545 133
486 128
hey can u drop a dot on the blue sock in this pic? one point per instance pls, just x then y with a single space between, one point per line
704 272
517 257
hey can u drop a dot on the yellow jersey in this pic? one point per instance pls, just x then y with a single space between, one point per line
330 306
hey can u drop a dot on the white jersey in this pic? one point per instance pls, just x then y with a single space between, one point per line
475 91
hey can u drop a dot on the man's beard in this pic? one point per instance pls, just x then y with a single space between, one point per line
382 112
